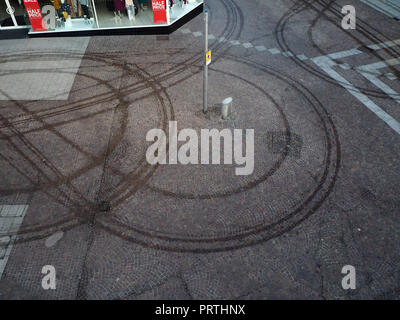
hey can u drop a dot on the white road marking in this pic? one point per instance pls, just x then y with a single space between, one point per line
247 45
302 57
11 217
371 72
391 8
390 76
274 51
345 66
288 54
261 48
344 54
53 239
387 44
326 64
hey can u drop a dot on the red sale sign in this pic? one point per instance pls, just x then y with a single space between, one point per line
159 11
35 15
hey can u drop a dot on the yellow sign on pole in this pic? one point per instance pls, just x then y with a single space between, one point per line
208 57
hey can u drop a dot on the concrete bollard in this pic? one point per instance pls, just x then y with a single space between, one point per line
226 108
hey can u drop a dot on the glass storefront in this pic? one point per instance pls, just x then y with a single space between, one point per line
80 15
13 14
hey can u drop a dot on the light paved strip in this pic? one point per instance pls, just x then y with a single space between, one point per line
326 64
11 217
371 72
39 75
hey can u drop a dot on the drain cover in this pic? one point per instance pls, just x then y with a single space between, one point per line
104 206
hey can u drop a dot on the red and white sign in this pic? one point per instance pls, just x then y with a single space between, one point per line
35 15
159 11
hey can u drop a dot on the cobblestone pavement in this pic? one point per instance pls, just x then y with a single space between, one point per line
325 188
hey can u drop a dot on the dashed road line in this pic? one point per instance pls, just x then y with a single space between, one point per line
274 51
289 54
11 217
260 48
247 44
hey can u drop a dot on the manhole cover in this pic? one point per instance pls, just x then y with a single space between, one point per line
104 206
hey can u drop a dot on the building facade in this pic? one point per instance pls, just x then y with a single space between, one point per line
91 17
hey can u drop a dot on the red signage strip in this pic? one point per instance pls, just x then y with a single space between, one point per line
35 15
159 11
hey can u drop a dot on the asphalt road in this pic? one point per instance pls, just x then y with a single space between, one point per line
77 193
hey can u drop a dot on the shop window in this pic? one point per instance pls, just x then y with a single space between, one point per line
76 15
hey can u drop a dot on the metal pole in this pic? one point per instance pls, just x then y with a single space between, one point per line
95 14
168 11
11 13
205 72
